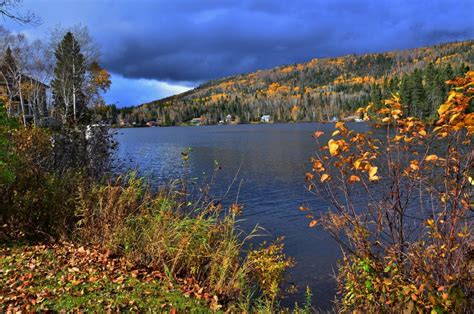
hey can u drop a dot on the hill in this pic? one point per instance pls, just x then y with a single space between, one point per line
317 90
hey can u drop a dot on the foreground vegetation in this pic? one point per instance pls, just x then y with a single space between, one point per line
408 246
164 232
64 276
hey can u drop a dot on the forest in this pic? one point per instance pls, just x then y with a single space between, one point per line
318 90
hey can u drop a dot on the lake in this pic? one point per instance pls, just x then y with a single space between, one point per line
270 161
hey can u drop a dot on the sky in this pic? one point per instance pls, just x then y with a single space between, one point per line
157 48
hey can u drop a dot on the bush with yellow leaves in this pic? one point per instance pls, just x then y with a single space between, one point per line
268 265
408 245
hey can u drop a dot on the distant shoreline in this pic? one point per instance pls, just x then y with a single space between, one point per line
231 124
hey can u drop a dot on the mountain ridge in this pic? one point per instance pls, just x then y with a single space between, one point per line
333 84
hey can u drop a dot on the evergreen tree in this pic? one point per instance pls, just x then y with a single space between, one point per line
68 83
8 65
419 100
431 92
406 94
376 96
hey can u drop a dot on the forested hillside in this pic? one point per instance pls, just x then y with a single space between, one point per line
317 90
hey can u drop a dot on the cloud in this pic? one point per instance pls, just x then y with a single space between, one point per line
132 92
194 41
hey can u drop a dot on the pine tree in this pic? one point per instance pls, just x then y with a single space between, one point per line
376 96
418 96
406 94
430 88
68 83
8 64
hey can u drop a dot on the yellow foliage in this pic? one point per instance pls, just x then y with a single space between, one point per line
220 96
372 173
287 69
333 147
268 265
294 112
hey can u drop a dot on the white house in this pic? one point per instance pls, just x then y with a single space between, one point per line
197 121
265 118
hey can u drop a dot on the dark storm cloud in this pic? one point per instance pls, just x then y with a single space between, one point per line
200 40
193 41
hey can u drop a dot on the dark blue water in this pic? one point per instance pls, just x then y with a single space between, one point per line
270 162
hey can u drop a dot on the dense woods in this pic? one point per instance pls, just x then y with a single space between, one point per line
317 90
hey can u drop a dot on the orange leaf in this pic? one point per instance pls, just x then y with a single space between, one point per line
325 177
318 134
414 165
353 179
431 158
340 125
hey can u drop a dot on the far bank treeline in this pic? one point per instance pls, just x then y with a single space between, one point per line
318 90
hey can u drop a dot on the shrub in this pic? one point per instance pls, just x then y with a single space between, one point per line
269 263
42 170
36 200
407 246
6 154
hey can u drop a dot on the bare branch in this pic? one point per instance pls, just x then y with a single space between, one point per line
9 9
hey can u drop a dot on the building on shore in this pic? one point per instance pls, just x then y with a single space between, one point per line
265 118
197 121
29 100
152 123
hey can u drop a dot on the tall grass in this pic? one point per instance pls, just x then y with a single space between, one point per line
164 230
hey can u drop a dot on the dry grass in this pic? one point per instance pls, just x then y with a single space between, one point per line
182 238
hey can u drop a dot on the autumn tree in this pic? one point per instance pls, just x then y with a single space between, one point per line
97 83
28 70
13 75
400 205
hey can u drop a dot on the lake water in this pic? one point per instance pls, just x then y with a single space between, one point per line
270 161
